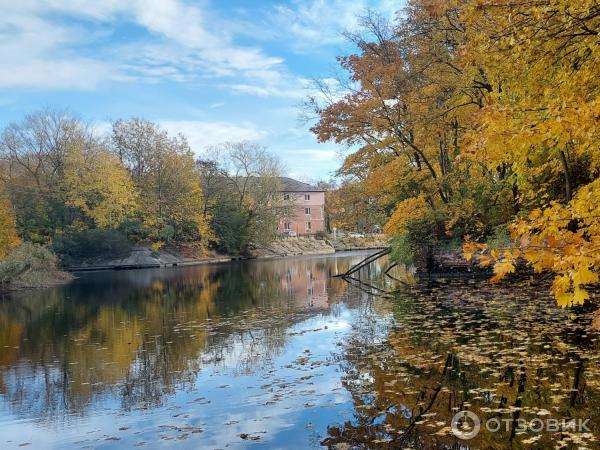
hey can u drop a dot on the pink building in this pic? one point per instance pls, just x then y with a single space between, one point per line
308 208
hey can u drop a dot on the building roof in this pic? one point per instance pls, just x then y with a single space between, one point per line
291 185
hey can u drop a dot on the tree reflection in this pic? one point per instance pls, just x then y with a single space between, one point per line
141 335
508 356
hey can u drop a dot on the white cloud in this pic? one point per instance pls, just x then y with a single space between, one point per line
42 44
318 21
319 155
291 87
27 45
202 134
323 22
182 42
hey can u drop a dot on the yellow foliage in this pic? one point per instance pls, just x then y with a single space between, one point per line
8 232
99 185
563 238
484 112
407 210
156 246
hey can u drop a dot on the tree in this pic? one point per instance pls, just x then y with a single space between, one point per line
472 115
99 186
8 230
405 107
244 201
541 120
163 170
352 206
60 176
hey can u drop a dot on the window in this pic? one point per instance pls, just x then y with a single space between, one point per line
307 211
286 196
287 226
308 226
306 196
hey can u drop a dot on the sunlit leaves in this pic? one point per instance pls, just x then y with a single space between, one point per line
564 239
8 232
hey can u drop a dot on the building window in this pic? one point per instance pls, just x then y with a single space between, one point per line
307 211
306 196
308 226
287 226
286 196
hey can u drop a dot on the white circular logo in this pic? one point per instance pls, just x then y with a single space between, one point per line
465 425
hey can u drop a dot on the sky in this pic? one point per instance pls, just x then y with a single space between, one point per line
220 70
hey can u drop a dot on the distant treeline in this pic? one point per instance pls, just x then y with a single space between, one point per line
83 194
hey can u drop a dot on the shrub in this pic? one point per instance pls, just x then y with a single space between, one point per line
500 238
231 228
422 238
91 245
134 230
167 233
402 249
30 265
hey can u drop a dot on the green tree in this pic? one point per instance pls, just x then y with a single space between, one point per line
164 172
244 186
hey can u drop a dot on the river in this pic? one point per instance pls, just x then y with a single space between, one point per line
280 354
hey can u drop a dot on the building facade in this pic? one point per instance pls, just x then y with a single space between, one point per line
307 206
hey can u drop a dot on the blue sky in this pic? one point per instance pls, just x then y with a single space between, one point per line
214 70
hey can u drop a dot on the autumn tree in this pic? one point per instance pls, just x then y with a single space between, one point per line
541 120
470 116
405 107
244 202
8 230
163 170
60 176
99 186
352 206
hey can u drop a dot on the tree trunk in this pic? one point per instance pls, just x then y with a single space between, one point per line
565 165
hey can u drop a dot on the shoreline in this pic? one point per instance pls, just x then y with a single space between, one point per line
202 261
59 278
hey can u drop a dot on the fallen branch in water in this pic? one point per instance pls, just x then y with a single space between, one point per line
365 262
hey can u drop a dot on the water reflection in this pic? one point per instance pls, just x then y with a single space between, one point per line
142 338
507 354
280 354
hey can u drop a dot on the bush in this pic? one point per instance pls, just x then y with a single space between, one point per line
90 246
134 230
402 249
167 233
320 235
500 238
30 265
423 238
231 228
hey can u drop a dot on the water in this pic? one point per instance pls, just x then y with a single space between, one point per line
279 354
217 356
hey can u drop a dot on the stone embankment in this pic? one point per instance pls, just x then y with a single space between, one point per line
142 257
347 243
312 246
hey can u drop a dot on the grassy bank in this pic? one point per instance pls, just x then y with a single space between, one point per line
31 266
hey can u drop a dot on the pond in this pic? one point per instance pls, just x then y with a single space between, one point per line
281 354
